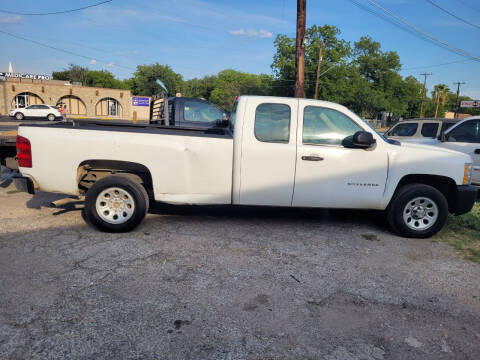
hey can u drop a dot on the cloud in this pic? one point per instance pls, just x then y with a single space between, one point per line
110 64
11 19
93 61
262 34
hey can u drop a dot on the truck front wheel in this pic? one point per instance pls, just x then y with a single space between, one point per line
417 211
116 204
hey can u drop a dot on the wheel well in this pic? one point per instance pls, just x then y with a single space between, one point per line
443 184
90 171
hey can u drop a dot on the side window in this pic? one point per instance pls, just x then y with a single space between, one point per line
272 123
31 107
468 132
201 112
326 126
408 129
429 130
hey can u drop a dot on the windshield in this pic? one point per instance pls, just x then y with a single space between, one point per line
374 130
233 115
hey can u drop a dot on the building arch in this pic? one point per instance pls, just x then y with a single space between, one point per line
25 99
108 107
75 105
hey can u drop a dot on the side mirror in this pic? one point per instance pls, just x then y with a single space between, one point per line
359 140
363 139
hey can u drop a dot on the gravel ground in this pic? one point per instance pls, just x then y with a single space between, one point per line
202 283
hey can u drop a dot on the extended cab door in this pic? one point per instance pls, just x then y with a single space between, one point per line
465 137
329 174
268 152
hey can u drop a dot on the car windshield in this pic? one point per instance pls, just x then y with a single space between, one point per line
232 117
374 130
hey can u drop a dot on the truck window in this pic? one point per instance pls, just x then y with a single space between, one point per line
429 130
201 112
468 132
408 129
324 126
272 123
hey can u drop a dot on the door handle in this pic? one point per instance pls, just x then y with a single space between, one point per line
312 158
477 151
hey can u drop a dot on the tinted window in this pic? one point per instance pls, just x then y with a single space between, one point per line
233 116
31 107
43 107
326 126
468 132
197 111
429 130
408 129
272 123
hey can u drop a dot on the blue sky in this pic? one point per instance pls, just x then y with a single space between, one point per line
198 38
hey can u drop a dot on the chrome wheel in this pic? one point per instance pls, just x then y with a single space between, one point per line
421 213
51 117
115 205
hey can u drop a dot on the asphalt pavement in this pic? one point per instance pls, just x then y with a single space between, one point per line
203 283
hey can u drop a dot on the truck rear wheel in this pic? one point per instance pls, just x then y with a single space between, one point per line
418 211
116 204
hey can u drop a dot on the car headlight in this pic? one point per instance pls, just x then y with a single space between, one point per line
467 174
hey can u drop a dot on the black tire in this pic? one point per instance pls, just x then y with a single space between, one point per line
19 116
405 197
134 189
51 117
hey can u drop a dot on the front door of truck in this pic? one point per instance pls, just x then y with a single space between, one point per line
268 151
329 174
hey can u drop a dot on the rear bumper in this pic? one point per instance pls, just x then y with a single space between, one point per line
24 184
466 196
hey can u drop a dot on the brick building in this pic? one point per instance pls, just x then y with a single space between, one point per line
82 101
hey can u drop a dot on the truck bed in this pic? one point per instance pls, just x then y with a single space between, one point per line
136 128
8 149
186 165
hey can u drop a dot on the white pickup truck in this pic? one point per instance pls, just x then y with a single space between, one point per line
274 152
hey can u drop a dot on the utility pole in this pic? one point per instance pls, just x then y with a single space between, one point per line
457 105
300 56
424 92
320 58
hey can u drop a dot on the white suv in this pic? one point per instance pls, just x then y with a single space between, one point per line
48 112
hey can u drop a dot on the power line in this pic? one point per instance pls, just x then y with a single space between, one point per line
420 31
63 50
388 20
404 25
55 12
468 5
435 65
452 14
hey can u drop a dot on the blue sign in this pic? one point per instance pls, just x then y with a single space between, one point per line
140 101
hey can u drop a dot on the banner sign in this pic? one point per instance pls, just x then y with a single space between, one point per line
5 75
470 103
140 101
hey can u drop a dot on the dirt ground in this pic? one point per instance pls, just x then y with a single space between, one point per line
223 283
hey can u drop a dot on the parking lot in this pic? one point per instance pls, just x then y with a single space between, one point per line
223 283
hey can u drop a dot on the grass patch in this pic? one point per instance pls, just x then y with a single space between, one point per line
371 237
463 234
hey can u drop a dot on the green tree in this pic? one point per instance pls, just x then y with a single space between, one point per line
105 79
144 80
74 73
439 96
231 83
98 78
200 88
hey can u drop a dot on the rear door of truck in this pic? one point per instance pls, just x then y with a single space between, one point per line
268 151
